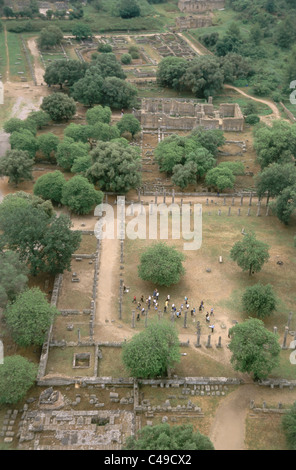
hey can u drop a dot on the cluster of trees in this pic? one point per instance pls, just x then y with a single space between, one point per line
204 75
188 159
100 82
276 151
44 241
112 164
269 38
33 240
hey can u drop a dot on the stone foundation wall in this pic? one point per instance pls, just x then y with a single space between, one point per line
193 6
192 22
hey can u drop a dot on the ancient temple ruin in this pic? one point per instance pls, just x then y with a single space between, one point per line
197 6
182 114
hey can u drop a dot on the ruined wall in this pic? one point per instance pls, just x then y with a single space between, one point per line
174 114
196 6
192 22
232 117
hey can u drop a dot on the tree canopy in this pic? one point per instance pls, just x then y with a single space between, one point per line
50 186
13 276
59 106
152 352
161 264
250 253
49 37
166 437
276 143
254 348
259 300
29 317
44 240
64 72
79 195
17 165
115 166
17 375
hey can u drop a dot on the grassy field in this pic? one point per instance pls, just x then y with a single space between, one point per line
17 58
223 287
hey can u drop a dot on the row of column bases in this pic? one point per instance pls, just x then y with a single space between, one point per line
259 203
198 332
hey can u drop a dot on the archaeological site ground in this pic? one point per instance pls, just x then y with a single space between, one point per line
84 398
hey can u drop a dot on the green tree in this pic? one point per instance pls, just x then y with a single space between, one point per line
78 132
18 125
134 52
59 106
129 123
107 65
161 265
29 317
275 144
152 352
118 94
274 179
254 349
81 165
285 204
220 178
126 59
105 48
166 437
88 90
48 144
64 72
43 240
17 165
170 152
69 151
115 166
49 37
183 175
81 31
17 375
98 114
104 132
39 118
24 140
289 426
235 67
203 76
13 276
129 9
250 253
80 196
49 186
259 300
210 139
170 71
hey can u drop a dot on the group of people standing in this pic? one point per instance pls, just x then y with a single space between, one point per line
152 301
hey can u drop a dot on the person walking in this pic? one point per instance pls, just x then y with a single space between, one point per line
212 328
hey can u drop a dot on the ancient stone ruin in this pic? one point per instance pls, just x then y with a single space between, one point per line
182 114
191 22
197 6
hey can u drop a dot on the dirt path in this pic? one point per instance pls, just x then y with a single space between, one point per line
39 70
228 428
272 106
